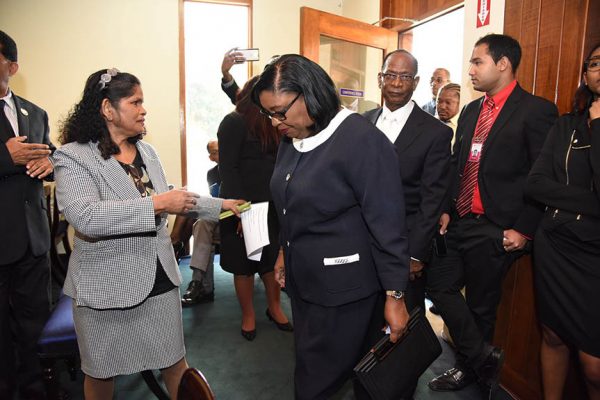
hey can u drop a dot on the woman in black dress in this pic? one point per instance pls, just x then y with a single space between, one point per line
247 151
566 178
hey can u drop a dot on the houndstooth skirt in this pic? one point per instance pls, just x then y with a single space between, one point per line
125 341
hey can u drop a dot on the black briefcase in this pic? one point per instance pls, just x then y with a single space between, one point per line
389 369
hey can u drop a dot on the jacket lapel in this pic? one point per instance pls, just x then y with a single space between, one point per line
373 115
153 168
23 120
114 175
410 131
467 130
511 105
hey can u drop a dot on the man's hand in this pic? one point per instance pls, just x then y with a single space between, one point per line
22 152
416 269
39 168
513 240
396 316
229 59
444 221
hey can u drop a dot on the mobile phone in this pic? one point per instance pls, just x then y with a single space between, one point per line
439 244
248 54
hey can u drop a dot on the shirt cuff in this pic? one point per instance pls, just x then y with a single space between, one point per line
227 84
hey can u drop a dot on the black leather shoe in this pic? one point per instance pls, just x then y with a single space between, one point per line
195 295
453 379
249 335
488 372
287 326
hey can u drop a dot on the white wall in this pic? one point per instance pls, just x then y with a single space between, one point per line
61 42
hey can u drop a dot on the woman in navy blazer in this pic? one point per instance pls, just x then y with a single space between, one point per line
122 275
338 194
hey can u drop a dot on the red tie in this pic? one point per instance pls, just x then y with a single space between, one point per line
469 178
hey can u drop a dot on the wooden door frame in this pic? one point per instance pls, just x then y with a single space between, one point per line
314 23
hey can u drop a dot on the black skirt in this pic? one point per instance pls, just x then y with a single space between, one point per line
567 285
233 250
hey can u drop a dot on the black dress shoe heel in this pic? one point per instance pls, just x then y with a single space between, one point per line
287 326
488 372
249 335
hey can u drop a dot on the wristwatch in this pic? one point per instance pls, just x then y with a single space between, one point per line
395 294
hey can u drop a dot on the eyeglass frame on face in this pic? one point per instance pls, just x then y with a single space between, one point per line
390 77
595 60
279 115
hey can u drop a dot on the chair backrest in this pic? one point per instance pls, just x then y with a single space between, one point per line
193 386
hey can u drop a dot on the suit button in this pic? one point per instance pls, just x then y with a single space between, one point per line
288 244
288 176
284 211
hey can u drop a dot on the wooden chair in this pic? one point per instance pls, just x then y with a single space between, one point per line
58 234
193 386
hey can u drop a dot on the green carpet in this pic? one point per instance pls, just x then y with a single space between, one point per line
241 370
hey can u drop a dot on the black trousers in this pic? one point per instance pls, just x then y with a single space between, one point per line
24 309
475 259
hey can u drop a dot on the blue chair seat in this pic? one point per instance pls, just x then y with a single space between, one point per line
58 339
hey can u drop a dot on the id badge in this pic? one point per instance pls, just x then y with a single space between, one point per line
475 152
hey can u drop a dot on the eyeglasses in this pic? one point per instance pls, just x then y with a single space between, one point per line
279 115
593 65
439 79
389 77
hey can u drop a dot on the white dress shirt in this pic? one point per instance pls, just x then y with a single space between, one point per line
10 110
392 122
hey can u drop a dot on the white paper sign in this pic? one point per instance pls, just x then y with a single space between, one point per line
256 230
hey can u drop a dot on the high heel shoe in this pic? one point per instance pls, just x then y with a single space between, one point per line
249 335
287 326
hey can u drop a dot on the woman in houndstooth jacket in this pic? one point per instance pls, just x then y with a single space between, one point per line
123 276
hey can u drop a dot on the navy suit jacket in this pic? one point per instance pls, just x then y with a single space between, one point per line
342 217
423 149
512 147
24 220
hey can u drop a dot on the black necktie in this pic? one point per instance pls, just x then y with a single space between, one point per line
6 130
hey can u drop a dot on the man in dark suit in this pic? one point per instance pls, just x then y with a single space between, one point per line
498 138
423 146
24 233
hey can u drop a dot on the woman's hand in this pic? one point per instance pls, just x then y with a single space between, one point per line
232 205
396 316
280 269
176 201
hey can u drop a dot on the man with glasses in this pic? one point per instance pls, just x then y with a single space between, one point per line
439 78
24 233
423 146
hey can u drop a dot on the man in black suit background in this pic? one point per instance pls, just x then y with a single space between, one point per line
423 146
499 137
24 233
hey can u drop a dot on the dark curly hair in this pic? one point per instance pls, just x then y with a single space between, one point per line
85 122
584 96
